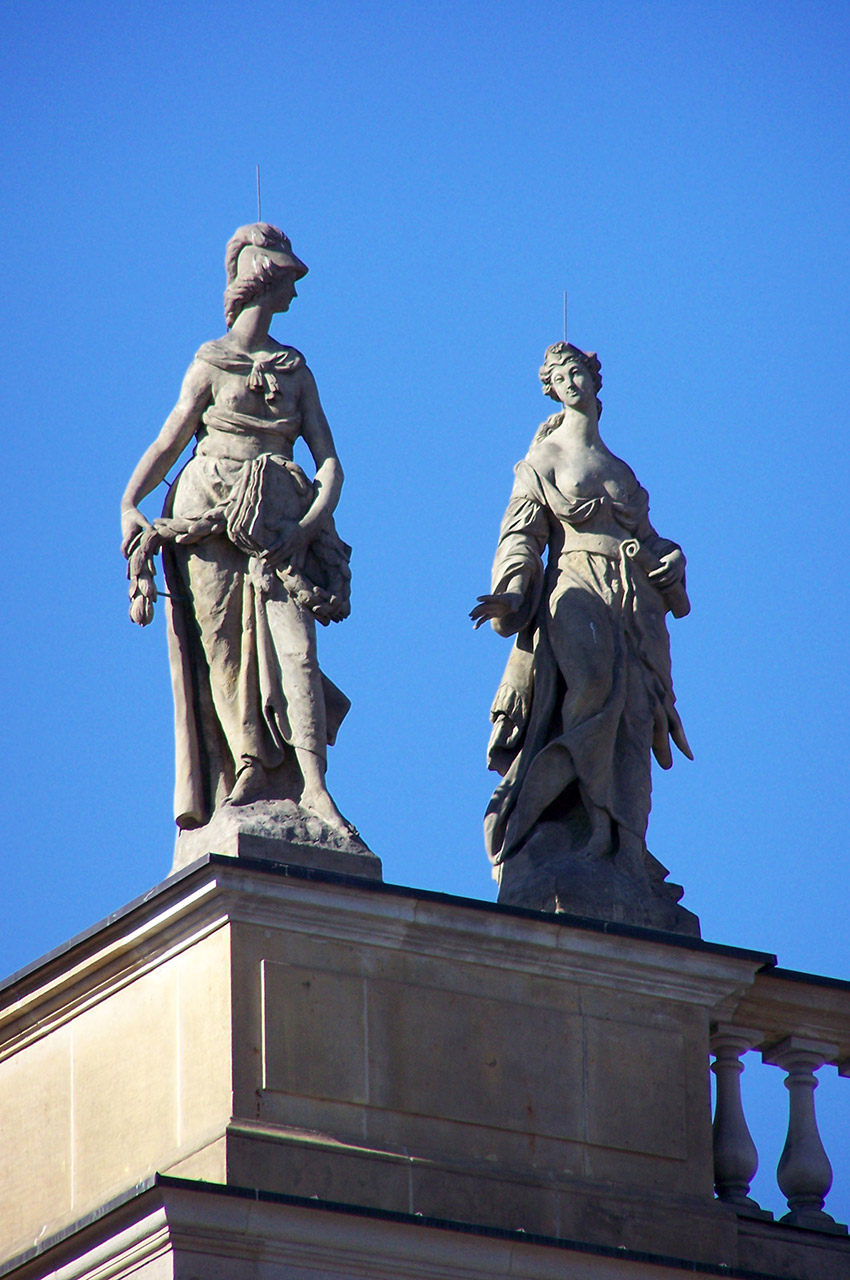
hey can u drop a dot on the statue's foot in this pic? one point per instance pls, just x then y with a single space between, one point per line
321 803
251 781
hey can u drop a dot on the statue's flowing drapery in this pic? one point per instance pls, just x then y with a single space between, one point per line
587 692
245 673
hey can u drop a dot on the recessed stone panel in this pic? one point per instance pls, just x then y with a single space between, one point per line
313 1033
484 1061
635 1088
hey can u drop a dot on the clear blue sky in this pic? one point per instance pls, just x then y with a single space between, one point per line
446 170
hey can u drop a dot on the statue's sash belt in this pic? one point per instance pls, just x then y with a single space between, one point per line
600 544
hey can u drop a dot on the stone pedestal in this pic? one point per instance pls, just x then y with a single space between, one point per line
400 1062
277 831
624 888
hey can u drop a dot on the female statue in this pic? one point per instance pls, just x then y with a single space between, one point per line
250 552
583 581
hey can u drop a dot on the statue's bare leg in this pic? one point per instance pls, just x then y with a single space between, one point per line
315 795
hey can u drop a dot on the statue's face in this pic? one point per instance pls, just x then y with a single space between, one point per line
573 385
282 292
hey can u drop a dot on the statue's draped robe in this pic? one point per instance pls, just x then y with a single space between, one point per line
587 692
245 674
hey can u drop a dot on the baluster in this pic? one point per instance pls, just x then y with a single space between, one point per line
735 1155
804 1173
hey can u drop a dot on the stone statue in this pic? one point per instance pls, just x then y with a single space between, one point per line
583 581
251 559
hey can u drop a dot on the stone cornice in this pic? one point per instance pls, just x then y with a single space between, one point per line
219 890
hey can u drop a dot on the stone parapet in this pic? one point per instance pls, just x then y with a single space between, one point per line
250 1024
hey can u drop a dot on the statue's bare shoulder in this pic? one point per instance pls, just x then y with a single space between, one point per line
582 470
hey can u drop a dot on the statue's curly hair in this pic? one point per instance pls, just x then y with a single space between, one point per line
558 354
243 289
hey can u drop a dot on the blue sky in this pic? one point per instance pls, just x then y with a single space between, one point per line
446 170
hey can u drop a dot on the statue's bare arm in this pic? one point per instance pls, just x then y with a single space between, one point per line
320 442
154 464
329 476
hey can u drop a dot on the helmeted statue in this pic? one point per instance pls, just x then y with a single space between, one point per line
583 582
251 556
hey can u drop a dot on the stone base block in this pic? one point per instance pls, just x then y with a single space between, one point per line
280 831
542 876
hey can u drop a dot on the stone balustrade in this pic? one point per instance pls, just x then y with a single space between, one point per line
799 1023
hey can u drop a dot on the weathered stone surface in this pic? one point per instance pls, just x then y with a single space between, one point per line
281 831
584 582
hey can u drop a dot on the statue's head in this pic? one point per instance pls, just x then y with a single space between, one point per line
560 354
257 257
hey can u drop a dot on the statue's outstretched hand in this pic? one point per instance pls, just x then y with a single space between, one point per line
133 525
498 606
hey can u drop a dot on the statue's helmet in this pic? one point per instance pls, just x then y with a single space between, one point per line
256 256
